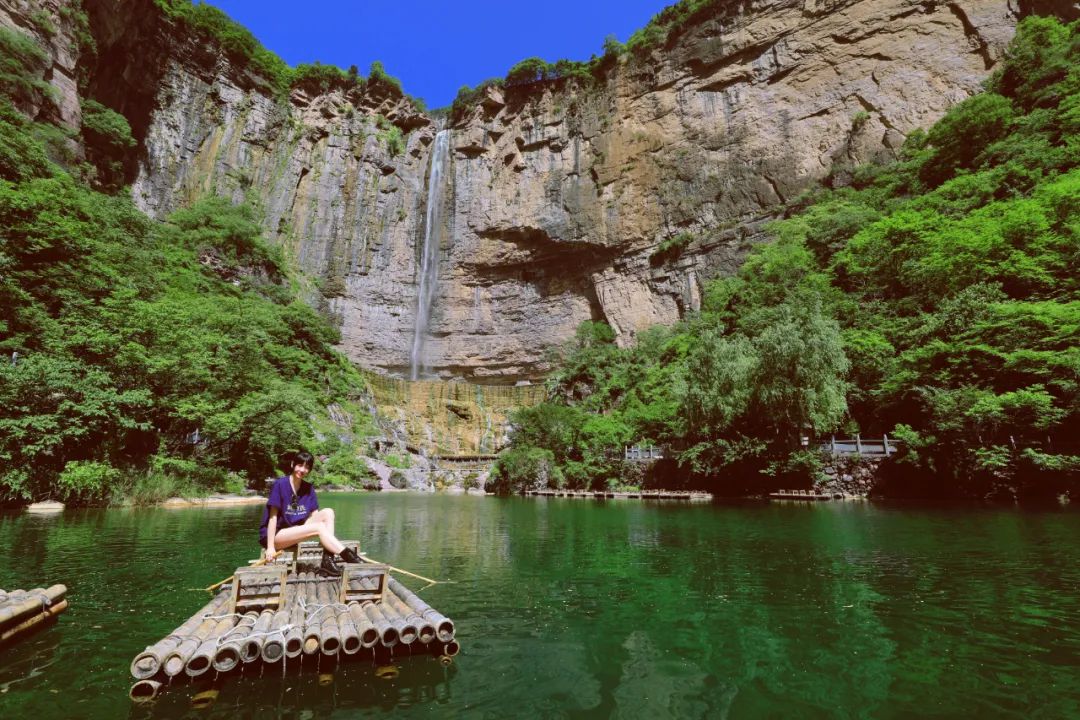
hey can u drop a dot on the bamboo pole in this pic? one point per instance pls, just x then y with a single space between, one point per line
273 648
294 638
350 634
144 690
330 631
406 572
425 630
444 626
448 650
445 652
174 662
253 645
27 623
203 658
147 663
30 603
313 619
388 634
407 632
228 653
369 636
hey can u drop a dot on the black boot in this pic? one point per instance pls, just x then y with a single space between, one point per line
329 568
349 555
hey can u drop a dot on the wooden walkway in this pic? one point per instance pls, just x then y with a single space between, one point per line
807 495
605 495
811 496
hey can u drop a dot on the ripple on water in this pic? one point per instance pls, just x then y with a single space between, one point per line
601 609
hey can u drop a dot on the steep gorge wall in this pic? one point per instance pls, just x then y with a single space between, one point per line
563 195
559 194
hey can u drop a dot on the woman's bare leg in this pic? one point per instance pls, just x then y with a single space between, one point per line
292 535
326 517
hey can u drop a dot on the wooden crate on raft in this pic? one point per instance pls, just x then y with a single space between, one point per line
362 582
310 551
258 587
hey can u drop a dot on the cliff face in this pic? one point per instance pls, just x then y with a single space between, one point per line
562 197
48 23
557 195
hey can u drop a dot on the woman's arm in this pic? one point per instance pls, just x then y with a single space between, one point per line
271 531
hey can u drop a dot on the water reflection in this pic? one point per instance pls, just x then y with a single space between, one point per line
308 692
31 658
571 608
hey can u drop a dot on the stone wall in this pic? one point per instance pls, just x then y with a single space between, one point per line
850 476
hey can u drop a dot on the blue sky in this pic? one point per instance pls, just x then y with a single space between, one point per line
436 47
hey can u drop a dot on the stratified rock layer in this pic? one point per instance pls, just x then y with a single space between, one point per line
562 196
559 194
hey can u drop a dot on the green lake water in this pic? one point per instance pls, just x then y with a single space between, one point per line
575 608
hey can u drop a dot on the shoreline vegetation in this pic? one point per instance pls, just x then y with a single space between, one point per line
933 299
141 360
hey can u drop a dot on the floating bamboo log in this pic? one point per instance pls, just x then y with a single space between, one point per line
350 636
273 648
388 634
444 626
445 652
313 620
228 653
369 636
174 663
294 638
203 658
423 630
253 645
24 610
330 638
407 632
147 663
145 690
27 623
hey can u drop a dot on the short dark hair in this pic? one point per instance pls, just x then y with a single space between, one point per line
303 458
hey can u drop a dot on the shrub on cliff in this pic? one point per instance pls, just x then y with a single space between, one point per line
233 38
22 62
144 347
21 156
525 468
317 78
377 74
935 300
107 137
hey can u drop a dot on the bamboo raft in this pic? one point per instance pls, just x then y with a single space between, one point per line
284 611
22 611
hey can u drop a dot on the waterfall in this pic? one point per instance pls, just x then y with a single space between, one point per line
429 259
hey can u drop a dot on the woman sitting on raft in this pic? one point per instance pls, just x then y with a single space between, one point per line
292 514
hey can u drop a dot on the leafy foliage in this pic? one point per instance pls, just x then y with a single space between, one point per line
22 64
936 300
107 137
212 24
391 135
141 350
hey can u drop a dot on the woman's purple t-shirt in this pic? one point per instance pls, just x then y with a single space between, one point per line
292 510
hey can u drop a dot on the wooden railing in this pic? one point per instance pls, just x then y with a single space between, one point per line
642 452
861 446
